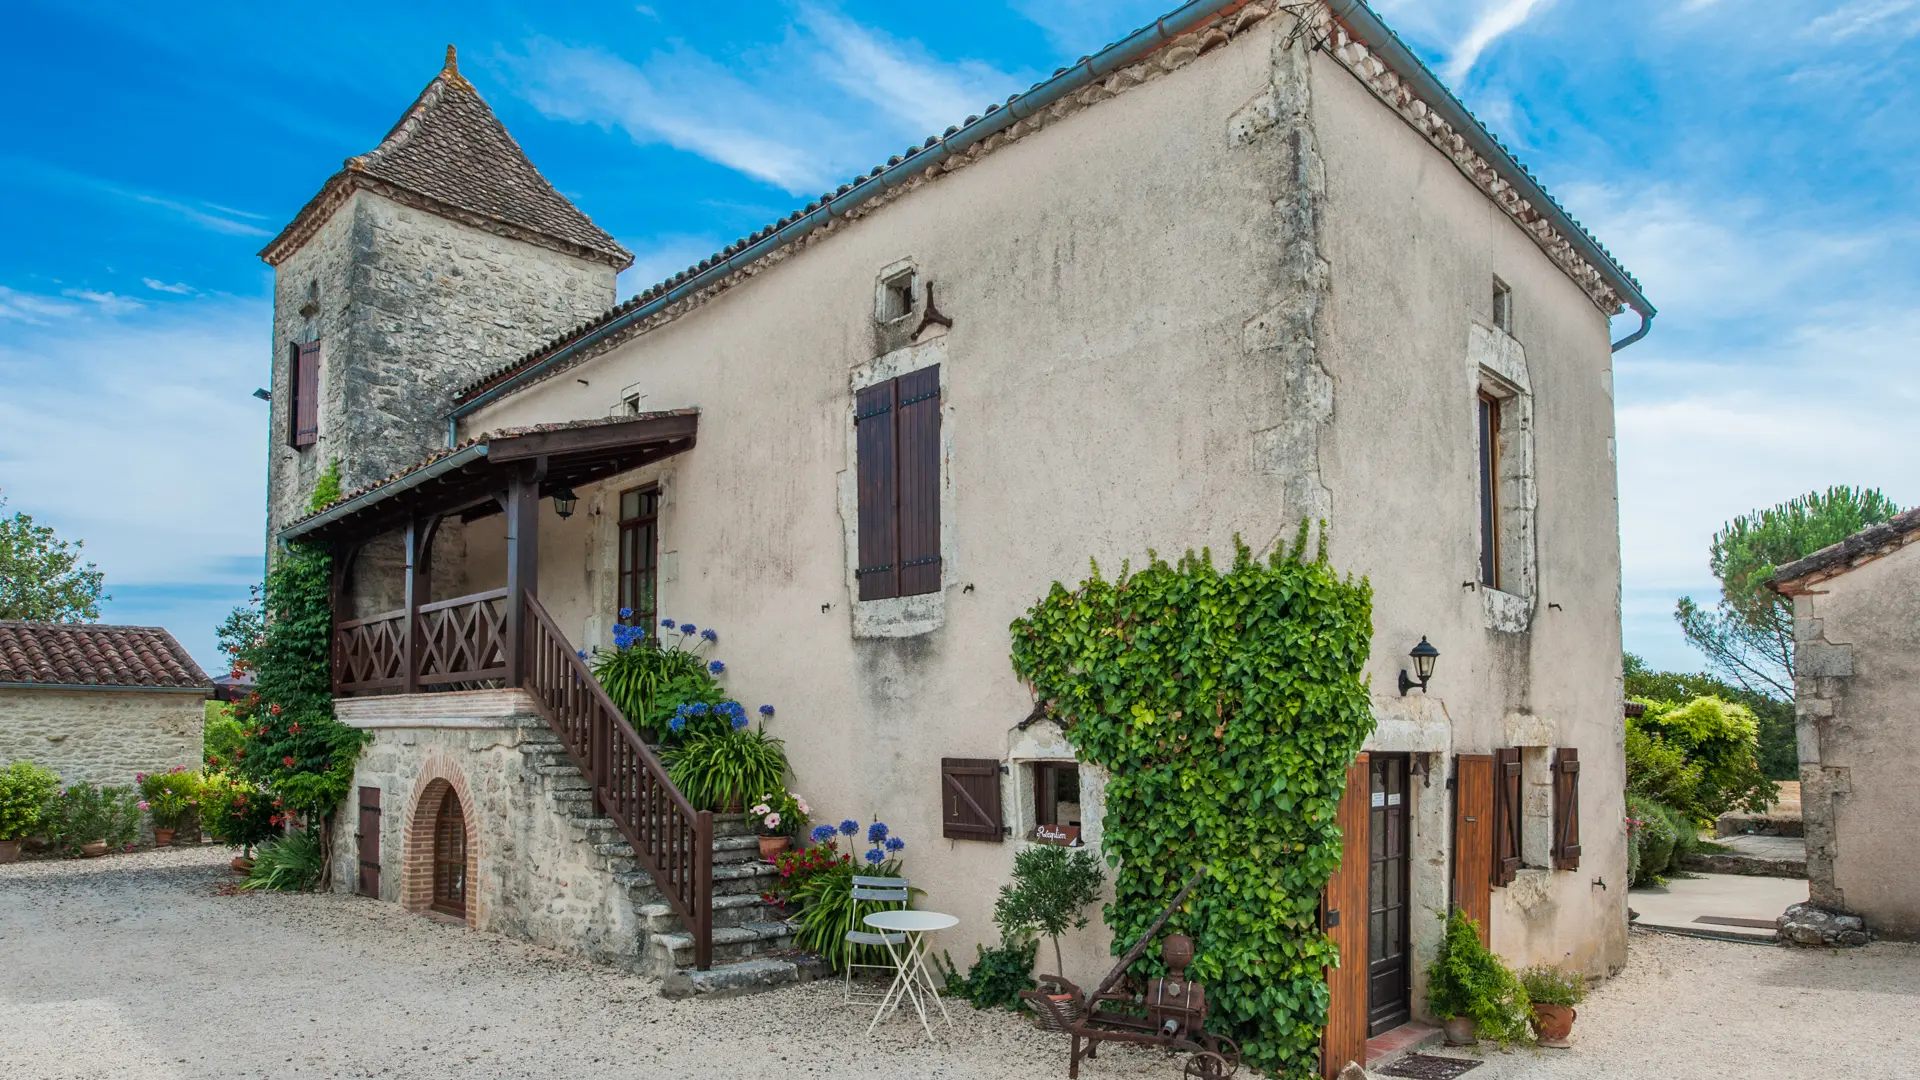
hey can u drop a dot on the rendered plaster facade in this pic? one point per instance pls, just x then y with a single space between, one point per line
1239 294
101 736
1855 673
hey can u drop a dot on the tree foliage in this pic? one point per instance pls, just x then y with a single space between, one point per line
1225 708
1051 889
1778 750
1697 757
41 576
1748 635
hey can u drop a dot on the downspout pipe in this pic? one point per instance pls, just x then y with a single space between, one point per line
1379 37
1085 72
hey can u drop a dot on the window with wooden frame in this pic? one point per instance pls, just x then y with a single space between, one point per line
1489 465
639 577
1566 808
303 378
897 451
970 799
1056 792
1509 815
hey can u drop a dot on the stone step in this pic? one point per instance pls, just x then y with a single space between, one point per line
745 977
729 909
666 953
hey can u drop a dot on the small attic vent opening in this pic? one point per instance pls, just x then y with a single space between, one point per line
1502 306
896 297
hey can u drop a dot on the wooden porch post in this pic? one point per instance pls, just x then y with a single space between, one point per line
523 562
409 627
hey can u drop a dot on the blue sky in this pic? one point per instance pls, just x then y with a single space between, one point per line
1752 162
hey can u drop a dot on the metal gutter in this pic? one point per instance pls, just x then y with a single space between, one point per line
1086 71
1379 37
414 479
202 691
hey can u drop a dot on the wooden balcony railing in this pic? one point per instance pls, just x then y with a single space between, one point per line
457 644
671 839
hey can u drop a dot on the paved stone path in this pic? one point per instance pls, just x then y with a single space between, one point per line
1681 903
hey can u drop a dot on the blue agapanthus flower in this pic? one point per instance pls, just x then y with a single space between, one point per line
687 628
894 843
849 827
678 723
876 856
877 832
668 623
699 708
766 710
738 722
822 833
709 635
716 666
582 652
626 613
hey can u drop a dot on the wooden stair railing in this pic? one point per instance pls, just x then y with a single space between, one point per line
630 785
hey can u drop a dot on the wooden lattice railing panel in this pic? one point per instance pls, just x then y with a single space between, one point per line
462 642
370 654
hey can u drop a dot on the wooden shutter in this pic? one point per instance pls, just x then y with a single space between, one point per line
918 407
369 837
875 420
1508 813
306 394
970 799
1343 915
1566 809
1473 868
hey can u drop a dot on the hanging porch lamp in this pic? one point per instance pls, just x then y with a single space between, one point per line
563 502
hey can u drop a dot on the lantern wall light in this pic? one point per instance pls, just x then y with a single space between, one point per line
563 502
1423 656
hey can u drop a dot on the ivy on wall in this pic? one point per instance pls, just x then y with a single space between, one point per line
1225 708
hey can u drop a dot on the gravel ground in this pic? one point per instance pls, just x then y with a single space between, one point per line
137 966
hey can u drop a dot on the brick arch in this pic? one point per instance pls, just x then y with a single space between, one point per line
416 865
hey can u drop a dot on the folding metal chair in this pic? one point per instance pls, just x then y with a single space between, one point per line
871 894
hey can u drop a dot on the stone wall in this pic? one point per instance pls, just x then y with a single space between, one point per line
407 306
101 736
528 877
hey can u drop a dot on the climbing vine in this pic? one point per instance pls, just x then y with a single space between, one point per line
1225 708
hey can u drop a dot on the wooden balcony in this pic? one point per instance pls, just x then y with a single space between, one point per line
457 644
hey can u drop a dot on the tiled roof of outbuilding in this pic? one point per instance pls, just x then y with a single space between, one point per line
89 654
450 155
1870 543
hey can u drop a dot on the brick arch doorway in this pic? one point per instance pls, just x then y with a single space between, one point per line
442 846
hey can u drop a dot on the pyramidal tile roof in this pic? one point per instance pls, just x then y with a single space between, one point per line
89 654
451 156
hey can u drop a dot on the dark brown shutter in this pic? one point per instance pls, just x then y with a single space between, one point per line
306 395
1343 915
874 419
1566 809
1473 866
970 799
918 397
369 837
1508 813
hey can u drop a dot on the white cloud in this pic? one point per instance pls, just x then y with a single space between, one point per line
1080 27
109 303
1493 23
901 78
660 257
31 308
179 287
1885 18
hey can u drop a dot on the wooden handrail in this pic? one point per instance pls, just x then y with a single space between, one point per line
461 601
630 785
453 644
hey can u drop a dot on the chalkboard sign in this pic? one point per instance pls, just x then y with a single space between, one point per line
1061 835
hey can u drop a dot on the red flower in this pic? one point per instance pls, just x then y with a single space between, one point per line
274 819
274 709
294 727
287 761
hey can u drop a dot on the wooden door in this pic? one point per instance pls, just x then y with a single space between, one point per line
450 858
1473 838
1389 980
1343 913
369 837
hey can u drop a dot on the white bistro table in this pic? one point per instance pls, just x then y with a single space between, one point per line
911 979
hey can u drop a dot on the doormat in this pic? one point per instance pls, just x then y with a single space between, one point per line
1726 920
1429 1067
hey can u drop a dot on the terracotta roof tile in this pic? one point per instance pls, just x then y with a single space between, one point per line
89 654
1831 561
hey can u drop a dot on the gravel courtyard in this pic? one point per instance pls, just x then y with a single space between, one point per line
135 966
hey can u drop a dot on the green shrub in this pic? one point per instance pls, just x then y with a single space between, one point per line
651 678
237 812
25 791
1659 771
1051 888
1549 985
1467 979
1651 839
291 863
84 814
172 797
1719 742
717 770
221 737
996 977
824 891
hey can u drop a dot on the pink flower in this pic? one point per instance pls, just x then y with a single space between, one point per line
139 776
761 809
144 805
773 821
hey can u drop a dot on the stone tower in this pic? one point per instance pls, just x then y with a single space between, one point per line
436 257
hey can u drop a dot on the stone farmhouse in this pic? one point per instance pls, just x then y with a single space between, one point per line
1855 605
1250 265
98 704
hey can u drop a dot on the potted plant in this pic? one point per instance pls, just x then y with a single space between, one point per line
716 769
653 678
93 819
1554 994
775 819
170 797
25 790
1472 992
1050 891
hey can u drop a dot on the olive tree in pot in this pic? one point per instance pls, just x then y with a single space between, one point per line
1051 889
25 790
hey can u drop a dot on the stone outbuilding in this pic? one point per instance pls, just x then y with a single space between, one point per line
98 704
1856 605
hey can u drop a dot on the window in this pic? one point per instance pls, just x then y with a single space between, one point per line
1489 490
897 448
896 297
1502 306
1056 793
639 587
303 411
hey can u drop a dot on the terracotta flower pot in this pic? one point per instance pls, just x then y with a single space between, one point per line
162 837
772 846
1552 1023
9 851
93 850
241 864
1460 1031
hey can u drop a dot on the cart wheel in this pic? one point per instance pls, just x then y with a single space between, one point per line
1227 1049
1207 1065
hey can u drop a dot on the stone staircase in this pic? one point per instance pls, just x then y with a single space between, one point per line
752 943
